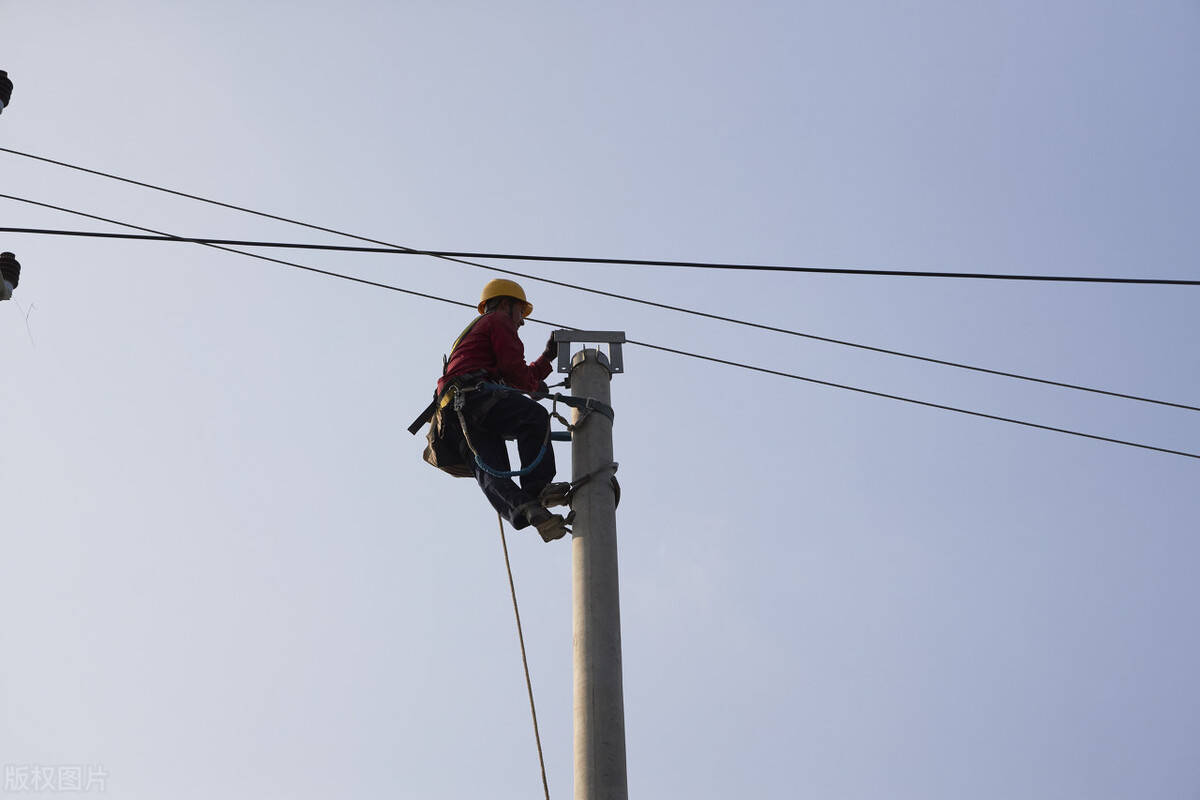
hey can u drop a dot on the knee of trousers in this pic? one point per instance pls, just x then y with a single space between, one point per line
535 416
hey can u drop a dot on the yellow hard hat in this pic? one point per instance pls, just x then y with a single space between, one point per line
502 287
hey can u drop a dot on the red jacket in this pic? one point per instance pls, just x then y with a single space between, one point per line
492 344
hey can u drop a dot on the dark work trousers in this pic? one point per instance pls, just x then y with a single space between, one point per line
512 416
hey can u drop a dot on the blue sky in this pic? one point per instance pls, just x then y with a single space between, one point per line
228 573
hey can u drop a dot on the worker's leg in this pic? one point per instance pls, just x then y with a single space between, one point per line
502 493
511 416
530 433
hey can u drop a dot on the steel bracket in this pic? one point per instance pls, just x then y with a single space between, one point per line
614 340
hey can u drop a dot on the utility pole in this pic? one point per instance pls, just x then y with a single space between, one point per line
596 610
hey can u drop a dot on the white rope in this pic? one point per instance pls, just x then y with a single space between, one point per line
524 660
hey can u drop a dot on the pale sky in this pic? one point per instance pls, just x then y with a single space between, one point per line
227 572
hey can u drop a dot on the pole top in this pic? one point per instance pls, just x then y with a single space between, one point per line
583 355
614 339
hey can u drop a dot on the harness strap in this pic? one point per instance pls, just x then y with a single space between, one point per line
453 347
457 384
588 404
431 409
424 417
616 487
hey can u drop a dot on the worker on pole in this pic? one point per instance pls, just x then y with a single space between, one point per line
479 404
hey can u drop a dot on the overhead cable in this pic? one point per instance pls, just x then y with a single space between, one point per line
634 262
393 248
925 403
652 346
680 309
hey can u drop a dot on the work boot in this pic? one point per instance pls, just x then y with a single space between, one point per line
554 527
550 526
555 494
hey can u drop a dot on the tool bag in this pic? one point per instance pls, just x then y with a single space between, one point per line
446 447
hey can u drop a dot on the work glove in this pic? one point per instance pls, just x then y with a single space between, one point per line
551 351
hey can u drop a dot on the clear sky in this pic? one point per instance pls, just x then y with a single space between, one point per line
227 572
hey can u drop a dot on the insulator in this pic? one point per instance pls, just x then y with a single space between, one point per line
10 268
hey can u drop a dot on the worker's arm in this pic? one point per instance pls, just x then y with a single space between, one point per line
510 357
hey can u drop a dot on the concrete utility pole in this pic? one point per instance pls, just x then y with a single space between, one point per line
599 699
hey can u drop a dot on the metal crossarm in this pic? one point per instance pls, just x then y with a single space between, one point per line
614 340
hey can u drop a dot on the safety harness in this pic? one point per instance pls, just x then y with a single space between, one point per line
441 400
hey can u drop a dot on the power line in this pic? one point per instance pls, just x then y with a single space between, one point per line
147 237
635 262
666 306
259 256
925 403
893 273
602 293
661 348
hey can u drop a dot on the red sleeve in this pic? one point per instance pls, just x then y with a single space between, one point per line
510 357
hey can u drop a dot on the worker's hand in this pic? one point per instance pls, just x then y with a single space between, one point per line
551 351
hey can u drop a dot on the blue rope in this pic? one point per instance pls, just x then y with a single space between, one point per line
512 473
